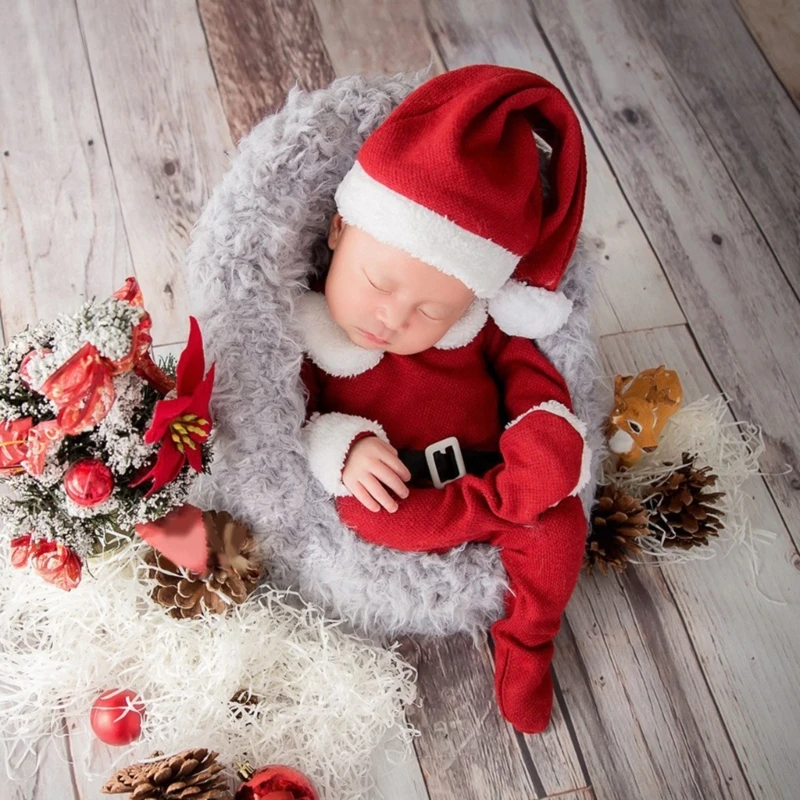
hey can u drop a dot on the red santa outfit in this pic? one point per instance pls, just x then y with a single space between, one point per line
452 177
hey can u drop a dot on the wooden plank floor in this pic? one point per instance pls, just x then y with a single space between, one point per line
116 121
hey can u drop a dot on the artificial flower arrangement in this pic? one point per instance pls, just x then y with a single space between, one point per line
97 442
99 447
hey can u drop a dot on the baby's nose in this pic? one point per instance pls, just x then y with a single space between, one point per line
393 319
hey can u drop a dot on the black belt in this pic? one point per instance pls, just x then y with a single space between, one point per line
446 456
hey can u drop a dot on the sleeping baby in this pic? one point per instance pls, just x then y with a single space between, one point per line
433 419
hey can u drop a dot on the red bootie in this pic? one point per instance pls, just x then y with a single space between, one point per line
542 563
524 693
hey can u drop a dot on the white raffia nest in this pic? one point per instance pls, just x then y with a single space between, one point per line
327 697
732 450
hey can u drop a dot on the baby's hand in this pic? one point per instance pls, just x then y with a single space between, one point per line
371 463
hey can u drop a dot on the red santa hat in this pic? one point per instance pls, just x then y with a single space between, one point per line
452 178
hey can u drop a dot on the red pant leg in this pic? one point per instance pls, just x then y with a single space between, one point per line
542 563
428 520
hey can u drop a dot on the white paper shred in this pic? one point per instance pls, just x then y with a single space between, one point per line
327 697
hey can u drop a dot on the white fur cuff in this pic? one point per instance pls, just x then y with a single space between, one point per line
560 410
327 439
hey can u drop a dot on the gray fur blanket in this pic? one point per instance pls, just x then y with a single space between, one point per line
260 237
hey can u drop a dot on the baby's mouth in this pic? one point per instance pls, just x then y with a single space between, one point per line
371 337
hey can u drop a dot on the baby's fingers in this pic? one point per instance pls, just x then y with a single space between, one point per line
396 465
378 491
364 497
384 473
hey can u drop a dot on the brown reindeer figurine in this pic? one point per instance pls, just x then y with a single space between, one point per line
642 406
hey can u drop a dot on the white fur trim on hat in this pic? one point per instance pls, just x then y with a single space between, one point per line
326 344
529 311
467 328
394 219
560 410
327 439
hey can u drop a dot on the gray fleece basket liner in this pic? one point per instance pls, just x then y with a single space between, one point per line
260 236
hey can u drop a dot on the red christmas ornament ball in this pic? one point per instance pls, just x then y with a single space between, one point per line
276 782
116 717
88 482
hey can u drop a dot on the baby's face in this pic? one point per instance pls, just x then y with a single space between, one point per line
385 299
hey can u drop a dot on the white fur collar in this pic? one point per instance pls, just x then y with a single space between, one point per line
331 349
467 328
328 346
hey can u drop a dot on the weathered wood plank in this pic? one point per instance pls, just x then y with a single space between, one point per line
376 38
259 50
467 750
747 645
760 149
633 292
397 774
555 763
166 133
552 756
740 306
61 233
53 778
581 794
776 27
637 697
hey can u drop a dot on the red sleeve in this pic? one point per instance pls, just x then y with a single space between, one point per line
526 377
329 436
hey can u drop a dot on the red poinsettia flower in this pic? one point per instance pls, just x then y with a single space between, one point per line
55 562
182 424
13 444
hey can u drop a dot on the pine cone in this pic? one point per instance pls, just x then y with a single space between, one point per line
618 521
682 507
234 571
190 775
